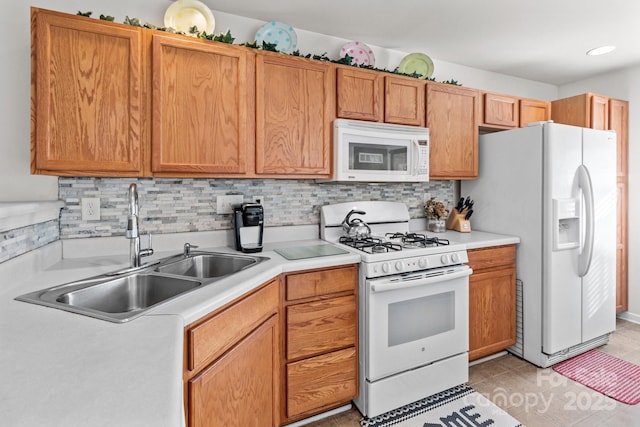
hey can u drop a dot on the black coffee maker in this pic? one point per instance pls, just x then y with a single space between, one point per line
248 221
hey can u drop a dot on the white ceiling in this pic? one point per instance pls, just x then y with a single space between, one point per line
544 41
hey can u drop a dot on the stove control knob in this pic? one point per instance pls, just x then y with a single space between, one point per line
455 257
385 267
422 262
399 266
444 259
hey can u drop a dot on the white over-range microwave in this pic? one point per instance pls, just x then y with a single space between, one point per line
379 152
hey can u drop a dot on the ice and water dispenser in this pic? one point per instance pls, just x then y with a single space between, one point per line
566 223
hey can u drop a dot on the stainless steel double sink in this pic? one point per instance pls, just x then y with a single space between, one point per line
124 295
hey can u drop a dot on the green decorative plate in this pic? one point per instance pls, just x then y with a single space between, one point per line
418 63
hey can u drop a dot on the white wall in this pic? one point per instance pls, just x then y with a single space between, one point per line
623 84
16 183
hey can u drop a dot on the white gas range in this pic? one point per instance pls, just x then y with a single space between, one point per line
413 306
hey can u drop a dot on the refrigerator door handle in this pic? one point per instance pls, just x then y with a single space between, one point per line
584 182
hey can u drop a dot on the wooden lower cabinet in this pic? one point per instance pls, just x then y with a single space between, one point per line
320 336
321 382
232 364
270 358
492 300
238 388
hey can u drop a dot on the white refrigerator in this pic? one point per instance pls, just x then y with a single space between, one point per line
554 186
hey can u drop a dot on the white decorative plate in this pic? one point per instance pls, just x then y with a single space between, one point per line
280 34
360 52
184 14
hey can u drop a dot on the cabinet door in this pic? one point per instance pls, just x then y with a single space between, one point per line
322 382
500 110
492 316
359 94
240 388
294 112
404 101
622 262
599 112
532 110
87 96
619 122
452 119
202 115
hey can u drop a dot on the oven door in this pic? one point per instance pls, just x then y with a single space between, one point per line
416 319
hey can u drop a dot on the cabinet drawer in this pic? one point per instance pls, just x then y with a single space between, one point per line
207 340
315 283
322 381
480 259
321 326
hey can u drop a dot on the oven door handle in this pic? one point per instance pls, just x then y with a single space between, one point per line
388 285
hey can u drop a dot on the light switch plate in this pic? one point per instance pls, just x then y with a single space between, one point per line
90 209
225 203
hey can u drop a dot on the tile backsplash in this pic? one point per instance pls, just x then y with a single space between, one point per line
24 239
170 205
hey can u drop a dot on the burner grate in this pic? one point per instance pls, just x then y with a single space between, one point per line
370 245
417 240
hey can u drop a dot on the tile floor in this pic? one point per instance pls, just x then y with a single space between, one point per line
541 397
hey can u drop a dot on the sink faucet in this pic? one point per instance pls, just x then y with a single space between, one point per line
133 232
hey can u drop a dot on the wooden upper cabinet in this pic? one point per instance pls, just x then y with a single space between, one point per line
404 100
359 94
295 108
619 121
507 112
452 119
202 106
87 96
532 110
585 110
500 110
599 112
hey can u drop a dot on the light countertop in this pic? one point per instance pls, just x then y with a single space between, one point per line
63 369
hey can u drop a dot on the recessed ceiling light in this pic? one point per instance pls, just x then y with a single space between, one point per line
600 50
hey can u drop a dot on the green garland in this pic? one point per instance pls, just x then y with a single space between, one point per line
271 47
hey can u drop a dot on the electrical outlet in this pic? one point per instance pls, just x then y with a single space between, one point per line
225 204
90 209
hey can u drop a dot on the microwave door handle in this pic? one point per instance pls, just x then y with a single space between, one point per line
416 157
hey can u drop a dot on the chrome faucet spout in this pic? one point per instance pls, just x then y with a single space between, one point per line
133 200
133 232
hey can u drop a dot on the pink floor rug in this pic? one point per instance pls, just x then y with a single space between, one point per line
605 374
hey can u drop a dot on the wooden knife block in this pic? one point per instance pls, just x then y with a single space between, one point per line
456 221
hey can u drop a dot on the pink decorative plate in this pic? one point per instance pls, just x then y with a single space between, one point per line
360 52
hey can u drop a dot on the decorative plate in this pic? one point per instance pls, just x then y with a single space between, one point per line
360 52
417 63
280 34
184 14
